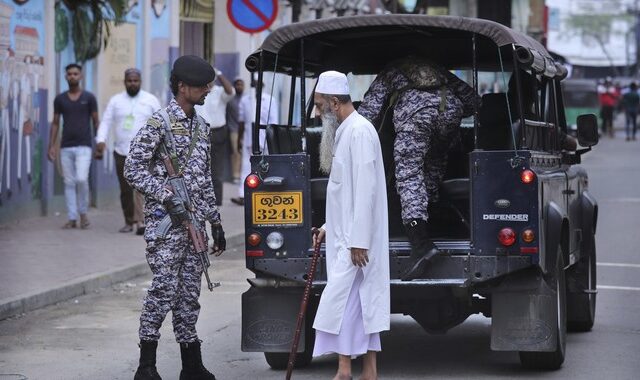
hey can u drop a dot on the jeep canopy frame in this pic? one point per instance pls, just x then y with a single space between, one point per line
366 44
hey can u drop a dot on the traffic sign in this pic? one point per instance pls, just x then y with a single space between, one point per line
252 16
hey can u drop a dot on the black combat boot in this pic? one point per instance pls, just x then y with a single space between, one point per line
147 368
192 367
422 249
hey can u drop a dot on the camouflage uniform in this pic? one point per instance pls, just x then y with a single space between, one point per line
425 129
176 268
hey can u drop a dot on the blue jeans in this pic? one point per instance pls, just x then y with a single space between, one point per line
75 169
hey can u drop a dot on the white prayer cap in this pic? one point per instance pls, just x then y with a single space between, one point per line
332 83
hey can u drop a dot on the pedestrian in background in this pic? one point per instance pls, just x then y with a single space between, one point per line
608 96
176 266
127 112
246 115
355 305
234 128
631 103
214 112
79 111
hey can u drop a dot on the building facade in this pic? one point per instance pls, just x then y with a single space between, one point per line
36 43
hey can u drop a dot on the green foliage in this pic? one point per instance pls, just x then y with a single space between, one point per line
62 29
598 26
595 25
90 28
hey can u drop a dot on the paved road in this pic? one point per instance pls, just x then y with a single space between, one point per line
94 337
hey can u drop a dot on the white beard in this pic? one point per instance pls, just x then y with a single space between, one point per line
329 126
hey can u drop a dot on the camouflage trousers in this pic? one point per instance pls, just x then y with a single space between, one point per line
177 275
420 154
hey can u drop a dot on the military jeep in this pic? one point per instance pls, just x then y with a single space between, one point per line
514 223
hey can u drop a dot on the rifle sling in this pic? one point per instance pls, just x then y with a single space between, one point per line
170 143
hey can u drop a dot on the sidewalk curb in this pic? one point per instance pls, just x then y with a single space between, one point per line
31 301
21 304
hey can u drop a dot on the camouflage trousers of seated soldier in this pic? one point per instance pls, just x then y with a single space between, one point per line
177 275
420 154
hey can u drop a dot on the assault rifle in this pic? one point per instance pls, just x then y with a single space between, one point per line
179 188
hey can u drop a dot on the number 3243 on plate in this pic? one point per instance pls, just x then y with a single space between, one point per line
277 208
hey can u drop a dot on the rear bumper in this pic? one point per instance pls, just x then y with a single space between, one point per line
456 266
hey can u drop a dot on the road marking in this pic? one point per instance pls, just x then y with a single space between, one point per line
610 287
622 265
622 200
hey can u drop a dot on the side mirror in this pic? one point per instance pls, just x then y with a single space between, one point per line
587 130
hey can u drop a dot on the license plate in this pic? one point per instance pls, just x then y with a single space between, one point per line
277 208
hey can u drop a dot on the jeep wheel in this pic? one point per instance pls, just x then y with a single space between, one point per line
280 360
552 360
581 296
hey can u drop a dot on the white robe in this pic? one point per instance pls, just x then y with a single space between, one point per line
356 217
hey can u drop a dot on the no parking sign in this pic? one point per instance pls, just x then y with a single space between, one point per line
252 16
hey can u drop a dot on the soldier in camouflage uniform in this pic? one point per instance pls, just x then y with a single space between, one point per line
177 270
427 105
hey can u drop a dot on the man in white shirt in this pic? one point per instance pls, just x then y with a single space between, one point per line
233 123
214 112
355 305
269 107
126 113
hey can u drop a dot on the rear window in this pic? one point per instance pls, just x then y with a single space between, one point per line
580 97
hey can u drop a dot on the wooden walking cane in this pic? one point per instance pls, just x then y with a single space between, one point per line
303 305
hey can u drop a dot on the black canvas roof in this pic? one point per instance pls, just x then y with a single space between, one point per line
365 44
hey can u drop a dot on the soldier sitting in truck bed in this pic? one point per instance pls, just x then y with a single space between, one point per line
428 105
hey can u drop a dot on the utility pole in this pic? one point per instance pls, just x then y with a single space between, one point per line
296 9
636 15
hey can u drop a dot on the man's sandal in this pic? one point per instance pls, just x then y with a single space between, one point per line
69 225
84 222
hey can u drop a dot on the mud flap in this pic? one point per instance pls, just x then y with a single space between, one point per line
269 319
524 315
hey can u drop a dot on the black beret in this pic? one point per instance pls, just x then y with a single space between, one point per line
193 70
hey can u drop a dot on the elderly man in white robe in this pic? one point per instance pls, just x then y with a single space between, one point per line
355 305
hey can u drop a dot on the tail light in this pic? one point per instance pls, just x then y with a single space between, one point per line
507 237
252 181
255 253
527 176
254 239
528 236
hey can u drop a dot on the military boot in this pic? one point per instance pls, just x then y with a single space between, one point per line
422 249
147 367
192 367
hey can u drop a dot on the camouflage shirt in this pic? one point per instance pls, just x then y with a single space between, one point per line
146 172
396 78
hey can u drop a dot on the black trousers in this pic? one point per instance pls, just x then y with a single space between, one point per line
606 112
219 155
126 191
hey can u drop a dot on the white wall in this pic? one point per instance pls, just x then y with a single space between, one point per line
586 51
